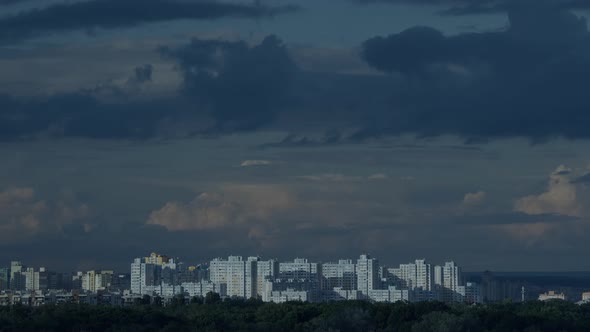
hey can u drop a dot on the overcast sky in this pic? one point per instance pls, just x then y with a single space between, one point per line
437 129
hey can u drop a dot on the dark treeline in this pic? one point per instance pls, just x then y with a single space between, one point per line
253 315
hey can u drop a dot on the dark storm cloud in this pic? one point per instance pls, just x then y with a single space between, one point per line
143 73
528 81
582 179
11 2
77 115
228 86
112 14
242 87
470 7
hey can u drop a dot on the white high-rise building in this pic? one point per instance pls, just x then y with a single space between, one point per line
299 268
367 272
31 279
218 271
448 279
405 275
89 281
424 275
93 281
417 276
265 270
340 275
236 277
199 288
302 271
146 273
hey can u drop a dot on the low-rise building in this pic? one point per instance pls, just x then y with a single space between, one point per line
286 296
551 295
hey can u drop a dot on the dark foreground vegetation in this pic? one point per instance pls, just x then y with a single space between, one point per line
340 316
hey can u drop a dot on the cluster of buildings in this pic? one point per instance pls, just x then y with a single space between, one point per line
553 295
165 278
302 280
21 284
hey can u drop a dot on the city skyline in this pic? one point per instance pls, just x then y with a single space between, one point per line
281 128
269 280
236 277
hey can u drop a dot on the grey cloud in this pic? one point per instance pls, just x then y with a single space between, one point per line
255 162
11 2
470 7
243 87
336 177
582 179
143 74
295 140
121 90
474 198
527 81
113 14
227 87
76 115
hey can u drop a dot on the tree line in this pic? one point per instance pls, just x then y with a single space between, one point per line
213 314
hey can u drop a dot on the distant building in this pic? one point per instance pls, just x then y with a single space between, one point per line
93 281
339 275
470 293
392 294
551 295
301 270
586 296
283 290
218 273
417 277
199 289
149 273
367 272
448 278
235 277
17 279
120 282
339 294
4 278
265 270
31 279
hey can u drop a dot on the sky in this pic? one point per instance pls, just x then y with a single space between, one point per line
438 129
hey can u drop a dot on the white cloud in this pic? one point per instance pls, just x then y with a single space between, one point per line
329 177
378 177
561 197
249 163
475 198
336 177
23 214
231 205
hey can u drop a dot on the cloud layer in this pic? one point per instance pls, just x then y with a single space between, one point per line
470 7
113 14
23 214
563 197
527 81
227 87
233 206
242 87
